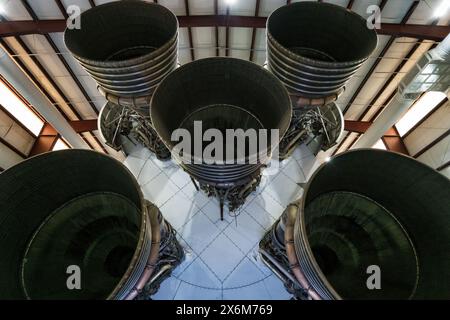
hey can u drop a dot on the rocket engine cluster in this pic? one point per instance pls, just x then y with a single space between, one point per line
73 210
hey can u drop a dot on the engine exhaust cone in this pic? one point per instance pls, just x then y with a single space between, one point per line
221 93
367 208
312 58
75 208
128 47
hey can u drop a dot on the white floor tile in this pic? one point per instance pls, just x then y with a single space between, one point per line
167 290
266 202
190 292
264 218
198 197
245 232
276 289
256 291
222 224
265 180
149 172
283 189
272 170
177 176
135 165
222 256
159 190
301 152
294 172
199 232
283 164
137 151
212 211
313 168
308 165
178 210
164 165
198 274
245 274
215 260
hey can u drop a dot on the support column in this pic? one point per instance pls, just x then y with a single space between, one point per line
387 119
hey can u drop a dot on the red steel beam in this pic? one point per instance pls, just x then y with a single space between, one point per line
422 32
429 32
45 141
357 126
18 28
394 142
84 125
222 21
362 126
49 136
391 138
43 144
79 126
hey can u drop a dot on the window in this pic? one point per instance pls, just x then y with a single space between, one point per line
60 145
19 110
419 110
379 145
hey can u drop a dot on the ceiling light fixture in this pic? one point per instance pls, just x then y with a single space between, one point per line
442 9
3 6
19 110
420 109
229 2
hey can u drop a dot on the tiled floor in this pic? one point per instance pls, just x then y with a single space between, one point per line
222 260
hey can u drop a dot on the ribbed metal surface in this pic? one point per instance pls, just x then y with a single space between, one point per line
222 175
139 261
314 48
71 207
128 47
222 93
309 266
371 207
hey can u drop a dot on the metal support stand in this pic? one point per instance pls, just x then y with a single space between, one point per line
234 196
195 184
